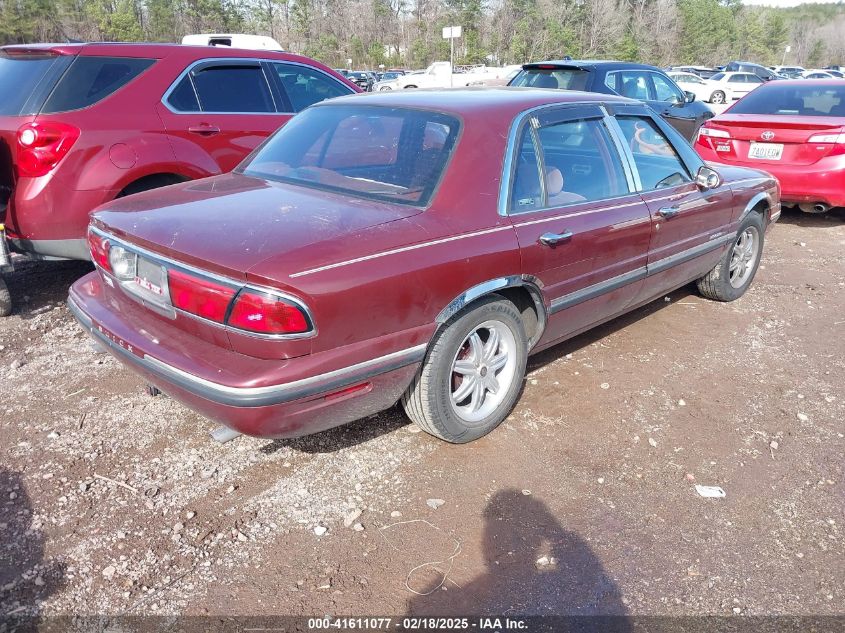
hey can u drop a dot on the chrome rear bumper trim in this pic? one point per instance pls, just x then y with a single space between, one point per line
255 396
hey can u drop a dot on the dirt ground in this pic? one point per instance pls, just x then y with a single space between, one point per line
583 501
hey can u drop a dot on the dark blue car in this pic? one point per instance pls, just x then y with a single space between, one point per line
636 81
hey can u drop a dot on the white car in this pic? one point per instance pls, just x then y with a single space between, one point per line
728 86
818 74
692 83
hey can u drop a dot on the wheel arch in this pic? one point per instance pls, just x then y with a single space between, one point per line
759 203
151 181
524 291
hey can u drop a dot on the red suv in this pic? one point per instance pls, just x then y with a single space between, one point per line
83 124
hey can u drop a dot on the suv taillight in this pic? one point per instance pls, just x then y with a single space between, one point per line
42 145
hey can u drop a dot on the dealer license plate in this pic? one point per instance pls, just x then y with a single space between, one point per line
151 278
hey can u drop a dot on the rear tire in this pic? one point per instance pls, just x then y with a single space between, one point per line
735 271
5 299
472 374
717 97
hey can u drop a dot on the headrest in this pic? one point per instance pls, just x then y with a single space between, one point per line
554 181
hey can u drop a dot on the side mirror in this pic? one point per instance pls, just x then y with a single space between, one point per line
707 178
689 97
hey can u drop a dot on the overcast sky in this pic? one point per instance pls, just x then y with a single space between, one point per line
785 3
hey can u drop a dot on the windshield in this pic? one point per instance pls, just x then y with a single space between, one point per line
718 77
560 78
26 80
392 154
795 100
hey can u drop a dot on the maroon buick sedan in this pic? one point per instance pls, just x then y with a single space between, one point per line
412 246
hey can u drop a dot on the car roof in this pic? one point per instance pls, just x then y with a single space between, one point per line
154 50
593 63
501 100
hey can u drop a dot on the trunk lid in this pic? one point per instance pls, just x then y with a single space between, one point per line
231 223
792 132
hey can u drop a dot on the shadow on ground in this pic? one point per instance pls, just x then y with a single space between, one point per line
534 566
833 218
26 577
34 285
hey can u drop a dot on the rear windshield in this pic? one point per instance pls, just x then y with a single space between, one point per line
392 154
560 78
777 98
26 80
91 79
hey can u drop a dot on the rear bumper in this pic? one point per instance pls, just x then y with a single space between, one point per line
51 249
286 409
823 181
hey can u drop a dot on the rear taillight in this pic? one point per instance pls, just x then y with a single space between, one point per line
99 247
827 138
712 132
42 145
267 314
202 297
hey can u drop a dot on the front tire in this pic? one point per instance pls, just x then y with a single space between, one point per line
472 375
734 273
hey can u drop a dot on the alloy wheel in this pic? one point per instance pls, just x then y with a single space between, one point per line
482 371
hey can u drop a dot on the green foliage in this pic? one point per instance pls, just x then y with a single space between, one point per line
408 32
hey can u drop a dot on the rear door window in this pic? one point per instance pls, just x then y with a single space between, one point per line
306 86
580 163
231 88
92 79
631 84
26 80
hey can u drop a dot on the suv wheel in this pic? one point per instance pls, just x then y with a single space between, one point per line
472 375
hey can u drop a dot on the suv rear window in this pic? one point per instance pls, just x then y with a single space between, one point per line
92 79
560 78
25 81
392 154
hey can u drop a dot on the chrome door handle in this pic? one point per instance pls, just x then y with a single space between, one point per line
553 239
668 212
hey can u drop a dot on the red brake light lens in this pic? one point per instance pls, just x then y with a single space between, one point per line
99 247
199 296
42 145
267 314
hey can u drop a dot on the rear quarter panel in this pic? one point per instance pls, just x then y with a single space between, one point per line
398 276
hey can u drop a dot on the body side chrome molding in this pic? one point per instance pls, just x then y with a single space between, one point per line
255 396
591 292
691 253
637 274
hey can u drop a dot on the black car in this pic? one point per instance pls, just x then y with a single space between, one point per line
636 81
364 79
766 74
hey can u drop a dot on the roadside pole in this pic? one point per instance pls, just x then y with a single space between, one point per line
451 33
